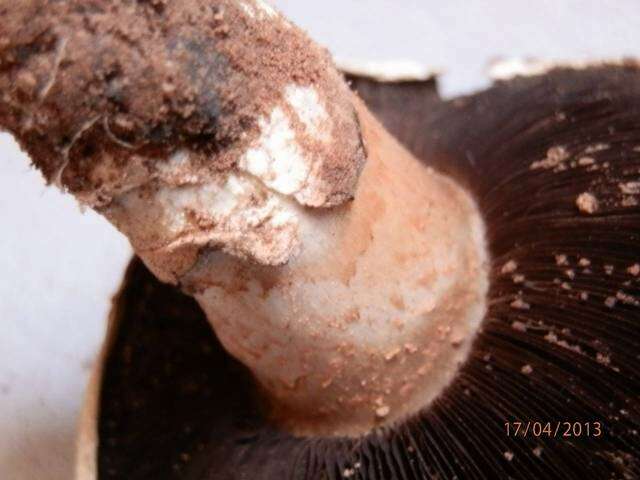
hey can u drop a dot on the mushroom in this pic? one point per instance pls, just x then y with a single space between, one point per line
348 278
242 179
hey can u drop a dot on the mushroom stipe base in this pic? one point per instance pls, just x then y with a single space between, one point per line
560 341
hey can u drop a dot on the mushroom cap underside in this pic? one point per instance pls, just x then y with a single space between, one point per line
560 341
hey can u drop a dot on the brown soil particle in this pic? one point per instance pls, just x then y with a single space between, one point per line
603 359
630 188
610 302
556 156
598 147
382 412
584 262
527 369
520 304
586 161
509 267
627 299
519 326
562 260
587 203
348 472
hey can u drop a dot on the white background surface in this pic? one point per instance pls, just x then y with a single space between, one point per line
59 268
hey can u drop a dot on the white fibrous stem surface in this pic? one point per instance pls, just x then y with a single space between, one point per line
278 159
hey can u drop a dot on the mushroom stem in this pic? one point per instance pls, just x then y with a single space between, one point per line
229 155
371 320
